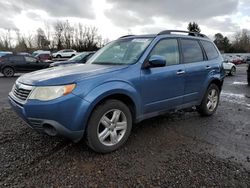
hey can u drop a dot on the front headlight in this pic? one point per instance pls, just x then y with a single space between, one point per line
51 92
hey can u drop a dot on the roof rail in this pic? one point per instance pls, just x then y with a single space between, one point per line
196 34
126 36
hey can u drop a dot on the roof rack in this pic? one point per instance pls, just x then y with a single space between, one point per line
196 34
126 36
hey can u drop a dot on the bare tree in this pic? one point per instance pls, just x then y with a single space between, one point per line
58 27
42 41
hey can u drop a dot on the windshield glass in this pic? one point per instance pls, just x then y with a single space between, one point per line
124 51
78 57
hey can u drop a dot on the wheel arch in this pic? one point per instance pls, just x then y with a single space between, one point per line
6 66
124 93
127 100
217 82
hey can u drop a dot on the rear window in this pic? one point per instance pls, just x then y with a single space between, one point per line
191 50
210 50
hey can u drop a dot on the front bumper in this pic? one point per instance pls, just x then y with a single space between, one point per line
65 116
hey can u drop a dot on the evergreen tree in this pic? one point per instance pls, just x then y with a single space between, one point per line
193 27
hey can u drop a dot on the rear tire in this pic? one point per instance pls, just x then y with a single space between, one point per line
8 72
58 56
109 126
210 101
232 71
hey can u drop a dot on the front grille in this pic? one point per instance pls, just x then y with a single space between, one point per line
20 92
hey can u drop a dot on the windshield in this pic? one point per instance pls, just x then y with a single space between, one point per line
124 51
78 57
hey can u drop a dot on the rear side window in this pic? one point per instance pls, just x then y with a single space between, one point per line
16 58
210 50
30 59
191 50
167 48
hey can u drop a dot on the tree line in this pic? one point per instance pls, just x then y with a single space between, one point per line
239 43
61 35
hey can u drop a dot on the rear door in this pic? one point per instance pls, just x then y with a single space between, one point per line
18 62
196 69
163 87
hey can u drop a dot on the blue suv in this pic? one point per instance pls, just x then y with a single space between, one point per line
130 79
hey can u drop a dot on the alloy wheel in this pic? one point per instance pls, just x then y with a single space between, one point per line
112 127
212 100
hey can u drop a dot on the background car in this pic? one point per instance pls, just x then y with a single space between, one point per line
11 64
40 52
44 56
3 53
64 53
229 67
24 53
80 58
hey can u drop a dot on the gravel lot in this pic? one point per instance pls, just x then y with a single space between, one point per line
178 149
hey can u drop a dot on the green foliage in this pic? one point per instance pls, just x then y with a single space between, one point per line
239 44
194 27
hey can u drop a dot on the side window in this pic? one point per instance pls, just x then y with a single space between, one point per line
30 59
167 48
191 50
210 50
16 58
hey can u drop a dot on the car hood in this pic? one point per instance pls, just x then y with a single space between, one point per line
66 75
62 63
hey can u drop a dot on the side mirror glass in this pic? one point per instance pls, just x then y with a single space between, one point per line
157 61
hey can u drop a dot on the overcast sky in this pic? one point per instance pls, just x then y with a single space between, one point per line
114 18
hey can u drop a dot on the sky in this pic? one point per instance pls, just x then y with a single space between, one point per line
115 18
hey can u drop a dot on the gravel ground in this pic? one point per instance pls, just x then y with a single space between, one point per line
155 155
175 150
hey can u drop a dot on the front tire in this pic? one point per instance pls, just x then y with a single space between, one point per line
210 101
8 72
58 56
109 126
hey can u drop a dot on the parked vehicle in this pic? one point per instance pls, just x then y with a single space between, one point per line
125 82
3 53
11 64
248 73
80 58
237 60
229 67
248 59
64 53
44 56
35 53
24 53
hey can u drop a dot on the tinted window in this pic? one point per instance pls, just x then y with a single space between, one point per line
191 51
16 58
210 50
167 48
30 59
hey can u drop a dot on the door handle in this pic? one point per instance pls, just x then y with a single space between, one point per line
208 67
179 72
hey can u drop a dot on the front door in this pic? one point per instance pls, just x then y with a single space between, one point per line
163 87
33 64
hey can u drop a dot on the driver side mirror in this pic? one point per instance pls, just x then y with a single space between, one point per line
156 61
